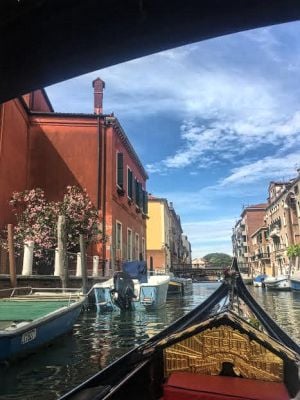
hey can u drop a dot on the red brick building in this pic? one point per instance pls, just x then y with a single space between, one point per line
41 148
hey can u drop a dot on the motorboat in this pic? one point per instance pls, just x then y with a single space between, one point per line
279 282
258 281
31 318
228 347
132 289
180 286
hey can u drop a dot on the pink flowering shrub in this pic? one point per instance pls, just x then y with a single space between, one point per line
81 216
37 221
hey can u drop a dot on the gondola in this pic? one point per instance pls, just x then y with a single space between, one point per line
226 348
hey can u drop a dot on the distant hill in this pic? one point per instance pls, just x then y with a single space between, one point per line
218 259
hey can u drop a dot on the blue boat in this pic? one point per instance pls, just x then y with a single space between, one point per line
295 281
132 289
30 321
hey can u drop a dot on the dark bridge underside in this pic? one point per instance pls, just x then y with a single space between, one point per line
47 41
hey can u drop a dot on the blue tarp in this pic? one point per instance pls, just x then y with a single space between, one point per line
136 269
260 278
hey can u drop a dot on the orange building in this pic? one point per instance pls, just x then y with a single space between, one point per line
41 148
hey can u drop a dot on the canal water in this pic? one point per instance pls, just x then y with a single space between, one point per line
99 339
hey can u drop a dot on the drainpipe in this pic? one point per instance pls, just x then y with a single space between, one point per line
99 177
104 132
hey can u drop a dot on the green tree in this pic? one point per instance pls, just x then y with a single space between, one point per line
293 252
218 259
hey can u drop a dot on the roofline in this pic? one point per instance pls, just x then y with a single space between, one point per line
116 124
254 208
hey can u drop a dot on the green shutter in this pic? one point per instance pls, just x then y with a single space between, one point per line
130 184
145 202
137 192
120 174
140 203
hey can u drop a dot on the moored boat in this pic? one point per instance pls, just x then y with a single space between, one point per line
295 280
279 282
226 348
180 286
132 290
258 281
35 318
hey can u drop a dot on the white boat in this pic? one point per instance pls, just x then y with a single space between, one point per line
279 282
122 293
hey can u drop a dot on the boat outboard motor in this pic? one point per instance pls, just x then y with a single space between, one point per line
123 291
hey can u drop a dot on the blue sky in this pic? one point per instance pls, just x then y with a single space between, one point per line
213 122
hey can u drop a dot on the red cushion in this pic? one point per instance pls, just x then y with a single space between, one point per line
188 386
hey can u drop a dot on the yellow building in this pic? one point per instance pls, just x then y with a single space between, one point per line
158 235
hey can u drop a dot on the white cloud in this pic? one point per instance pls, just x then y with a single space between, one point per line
270 167
209 236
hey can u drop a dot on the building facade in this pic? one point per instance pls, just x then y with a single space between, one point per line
159 235
282 221
186 250
252 218
260 254
277 226
166 244
91 151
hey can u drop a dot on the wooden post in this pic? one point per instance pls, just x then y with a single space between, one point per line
61 250
83 264
11 251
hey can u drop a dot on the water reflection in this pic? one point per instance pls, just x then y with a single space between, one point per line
97 340
284 307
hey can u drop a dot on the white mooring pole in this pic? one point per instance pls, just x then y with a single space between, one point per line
28 258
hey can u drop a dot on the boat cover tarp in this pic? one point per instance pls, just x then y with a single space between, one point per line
18 310
136 270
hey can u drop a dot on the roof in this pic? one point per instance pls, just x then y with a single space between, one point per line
120 131
254 207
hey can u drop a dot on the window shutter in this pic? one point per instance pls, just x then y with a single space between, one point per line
120 177
130 184
145 202
137 192
140 203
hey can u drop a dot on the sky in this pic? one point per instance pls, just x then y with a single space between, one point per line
212 122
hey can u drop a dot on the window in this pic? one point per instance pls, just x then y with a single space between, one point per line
137 192
118 239
143 249
120 174
129 244
145 202
137 246
129 183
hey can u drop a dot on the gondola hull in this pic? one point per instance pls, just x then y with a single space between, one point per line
211 353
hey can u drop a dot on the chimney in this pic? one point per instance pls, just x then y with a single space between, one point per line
98 86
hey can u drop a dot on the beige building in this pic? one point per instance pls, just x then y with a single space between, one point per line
252 218
282 221
260 255
166 244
